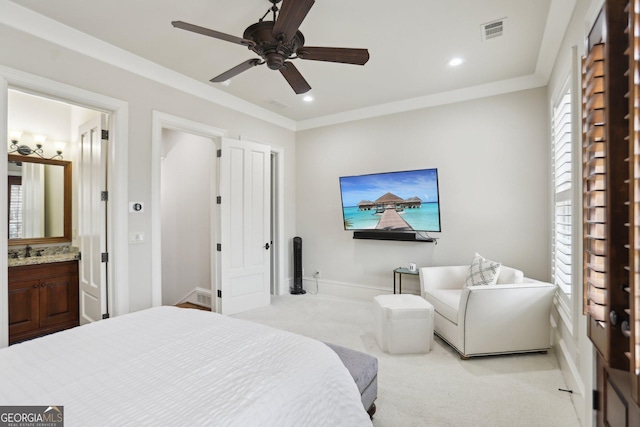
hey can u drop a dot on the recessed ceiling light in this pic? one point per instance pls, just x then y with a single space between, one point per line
308 98
454 62
226 83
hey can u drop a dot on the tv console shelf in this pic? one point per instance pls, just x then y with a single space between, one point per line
390 235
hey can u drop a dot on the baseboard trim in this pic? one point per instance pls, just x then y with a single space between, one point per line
569 368
570 364
565 354
571 373
343 289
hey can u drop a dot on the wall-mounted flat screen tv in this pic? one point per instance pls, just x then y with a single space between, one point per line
392 201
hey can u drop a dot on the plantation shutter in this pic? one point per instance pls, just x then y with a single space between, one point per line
561 152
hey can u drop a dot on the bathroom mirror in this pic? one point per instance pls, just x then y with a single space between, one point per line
39 192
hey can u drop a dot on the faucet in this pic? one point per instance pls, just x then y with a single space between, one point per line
27 252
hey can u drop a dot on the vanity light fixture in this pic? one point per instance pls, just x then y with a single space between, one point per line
59 146
26 150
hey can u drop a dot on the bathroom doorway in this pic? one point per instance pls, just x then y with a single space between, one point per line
74 134
79 100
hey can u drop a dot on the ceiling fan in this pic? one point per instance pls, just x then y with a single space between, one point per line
279 41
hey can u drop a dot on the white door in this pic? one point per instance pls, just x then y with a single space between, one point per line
92 220
245 184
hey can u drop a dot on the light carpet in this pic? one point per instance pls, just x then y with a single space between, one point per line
437 388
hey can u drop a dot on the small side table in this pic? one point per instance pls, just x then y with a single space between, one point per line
399 272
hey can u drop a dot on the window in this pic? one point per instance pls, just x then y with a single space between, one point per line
562 190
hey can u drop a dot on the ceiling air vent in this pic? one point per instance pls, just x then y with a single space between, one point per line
277 104
493 29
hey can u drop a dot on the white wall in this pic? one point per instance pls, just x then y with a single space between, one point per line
188 166
492 160
37 115
28 53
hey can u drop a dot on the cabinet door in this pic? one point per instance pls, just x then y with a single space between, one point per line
606 188
616 407
23 307
58 300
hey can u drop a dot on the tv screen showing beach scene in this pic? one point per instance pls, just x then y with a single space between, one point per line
392 201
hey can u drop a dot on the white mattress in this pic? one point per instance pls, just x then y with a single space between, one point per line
172 366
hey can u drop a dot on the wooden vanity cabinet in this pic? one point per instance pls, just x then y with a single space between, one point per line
43 298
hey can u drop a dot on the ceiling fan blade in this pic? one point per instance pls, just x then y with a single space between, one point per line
211 33
236 70
291 15
334 54
294 78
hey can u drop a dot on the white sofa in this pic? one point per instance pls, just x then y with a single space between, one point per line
512 316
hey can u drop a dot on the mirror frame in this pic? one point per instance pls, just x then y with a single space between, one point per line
66 237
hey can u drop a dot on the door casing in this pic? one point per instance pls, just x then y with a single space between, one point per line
161 120
117 180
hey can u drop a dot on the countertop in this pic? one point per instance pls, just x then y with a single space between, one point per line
44 259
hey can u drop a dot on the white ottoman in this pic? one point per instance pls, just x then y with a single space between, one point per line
403 323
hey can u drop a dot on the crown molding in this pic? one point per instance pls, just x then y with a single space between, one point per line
26 20
443 98
558 19
23 19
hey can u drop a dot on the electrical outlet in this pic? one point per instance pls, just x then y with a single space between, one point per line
317 274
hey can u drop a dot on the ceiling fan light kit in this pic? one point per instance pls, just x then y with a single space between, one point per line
279 41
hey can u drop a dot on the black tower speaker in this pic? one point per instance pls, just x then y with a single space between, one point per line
297 267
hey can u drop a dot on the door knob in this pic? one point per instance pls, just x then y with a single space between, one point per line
613 316
266 246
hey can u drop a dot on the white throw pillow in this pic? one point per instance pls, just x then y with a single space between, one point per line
482 272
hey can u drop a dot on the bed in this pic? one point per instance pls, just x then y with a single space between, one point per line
173 366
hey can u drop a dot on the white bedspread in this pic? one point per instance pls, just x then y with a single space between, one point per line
168 366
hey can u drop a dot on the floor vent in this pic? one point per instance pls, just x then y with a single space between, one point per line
494 29
203 298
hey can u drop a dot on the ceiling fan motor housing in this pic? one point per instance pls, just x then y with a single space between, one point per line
272 49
